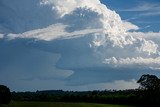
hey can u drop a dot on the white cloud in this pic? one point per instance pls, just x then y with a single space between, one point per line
145 34
49 33
144 6
150 14
148 46
112 34
38 19
85 34
133 62
130 26
52 32
64 7
1 36
154 36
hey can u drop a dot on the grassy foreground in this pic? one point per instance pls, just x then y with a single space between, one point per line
59 104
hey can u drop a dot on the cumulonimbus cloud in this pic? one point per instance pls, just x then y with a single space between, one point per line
85 33
81 18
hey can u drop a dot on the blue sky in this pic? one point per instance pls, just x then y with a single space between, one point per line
80 45
144 13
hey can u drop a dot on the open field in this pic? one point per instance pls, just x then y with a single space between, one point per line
59 104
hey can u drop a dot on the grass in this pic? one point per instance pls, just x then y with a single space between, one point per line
60 104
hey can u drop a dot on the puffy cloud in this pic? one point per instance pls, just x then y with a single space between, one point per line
148 46
67 6
90 14
134 62
154 36
150 36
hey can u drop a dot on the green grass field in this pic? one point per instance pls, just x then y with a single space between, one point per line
59 104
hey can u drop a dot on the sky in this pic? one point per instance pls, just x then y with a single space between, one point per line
78 44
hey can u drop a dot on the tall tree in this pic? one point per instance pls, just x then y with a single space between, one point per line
149 82
5 95
151 90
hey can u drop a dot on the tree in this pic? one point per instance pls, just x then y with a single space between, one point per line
149 82
5 95
150 94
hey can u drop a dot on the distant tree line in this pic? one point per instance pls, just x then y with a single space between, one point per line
107 96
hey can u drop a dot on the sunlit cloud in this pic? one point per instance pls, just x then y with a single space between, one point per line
75 44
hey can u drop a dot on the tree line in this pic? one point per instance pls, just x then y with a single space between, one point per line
148 94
